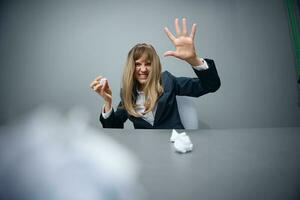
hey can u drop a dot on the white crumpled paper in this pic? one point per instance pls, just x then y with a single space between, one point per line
182 142
102 81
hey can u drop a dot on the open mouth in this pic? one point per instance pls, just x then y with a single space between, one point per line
143 76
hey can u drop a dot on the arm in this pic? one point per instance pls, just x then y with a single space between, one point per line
208 79
115 119
100 86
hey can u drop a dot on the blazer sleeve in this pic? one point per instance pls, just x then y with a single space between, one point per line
207 81
116 119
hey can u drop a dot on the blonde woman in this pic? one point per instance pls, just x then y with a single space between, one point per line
148 97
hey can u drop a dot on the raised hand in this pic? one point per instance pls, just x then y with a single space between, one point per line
101 86
184 43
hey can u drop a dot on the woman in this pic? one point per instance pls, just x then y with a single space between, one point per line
148 97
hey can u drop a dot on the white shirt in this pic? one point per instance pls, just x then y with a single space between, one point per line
140 100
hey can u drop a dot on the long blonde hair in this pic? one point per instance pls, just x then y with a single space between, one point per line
153 87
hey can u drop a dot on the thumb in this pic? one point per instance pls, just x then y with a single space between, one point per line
106 85
170 53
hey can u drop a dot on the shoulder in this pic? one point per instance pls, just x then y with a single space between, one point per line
168 80
167 75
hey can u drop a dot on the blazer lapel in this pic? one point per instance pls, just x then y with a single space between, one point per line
161 101
140 122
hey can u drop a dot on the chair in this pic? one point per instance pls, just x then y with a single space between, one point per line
188 112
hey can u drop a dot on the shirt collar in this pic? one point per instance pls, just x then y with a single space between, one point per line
140 92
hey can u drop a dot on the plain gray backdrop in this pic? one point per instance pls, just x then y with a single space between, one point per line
50 51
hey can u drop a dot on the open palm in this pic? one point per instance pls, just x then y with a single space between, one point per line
183 42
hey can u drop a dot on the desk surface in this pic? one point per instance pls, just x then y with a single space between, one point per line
224 164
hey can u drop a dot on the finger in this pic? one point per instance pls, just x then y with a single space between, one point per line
193 32
98 78
184 26
170 53
96 87
105 85
170 35
93 84
177 28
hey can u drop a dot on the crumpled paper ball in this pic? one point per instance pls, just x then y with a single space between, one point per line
182 142
102 81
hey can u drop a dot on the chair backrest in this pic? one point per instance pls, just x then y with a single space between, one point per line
188 112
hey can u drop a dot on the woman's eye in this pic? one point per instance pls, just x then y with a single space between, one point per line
148 64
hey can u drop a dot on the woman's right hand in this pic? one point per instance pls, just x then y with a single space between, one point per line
103 90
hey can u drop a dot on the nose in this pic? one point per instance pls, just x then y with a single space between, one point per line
143 68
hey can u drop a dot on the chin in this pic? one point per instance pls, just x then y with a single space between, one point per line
142 81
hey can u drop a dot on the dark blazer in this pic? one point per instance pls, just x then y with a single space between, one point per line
167 115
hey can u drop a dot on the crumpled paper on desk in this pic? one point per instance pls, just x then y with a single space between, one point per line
182 142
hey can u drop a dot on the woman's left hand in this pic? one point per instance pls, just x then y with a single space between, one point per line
184 43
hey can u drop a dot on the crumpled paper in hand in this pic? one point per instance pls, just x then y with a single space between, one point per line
102 81
182 142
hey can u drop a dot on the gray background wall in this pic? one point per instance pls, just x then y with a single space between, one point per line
50 51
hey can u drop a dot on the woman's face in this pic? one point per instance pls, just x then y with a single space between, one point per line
142 71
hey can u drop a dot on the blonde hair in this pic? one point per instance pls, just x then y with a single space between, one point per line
153 87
